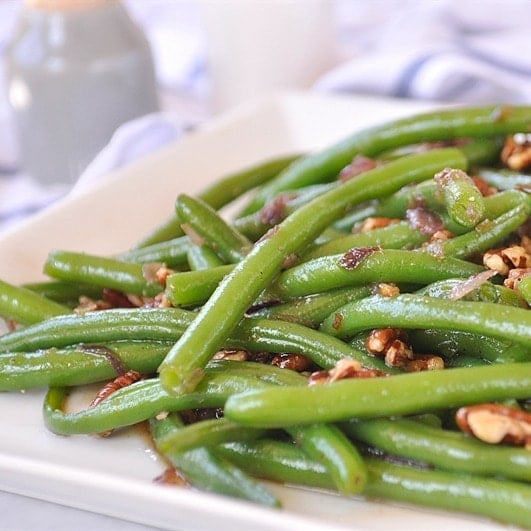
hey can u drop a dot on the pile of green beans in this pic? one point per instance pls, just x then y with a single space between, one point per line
252 333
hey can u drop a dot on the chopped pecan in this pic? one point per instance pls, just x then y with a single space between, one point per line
121 381
346 368
425 362
504 259
516 152
387 290
495 423
398 354
275 210
171 476
231 354
380 339
515 276
371 223
295 362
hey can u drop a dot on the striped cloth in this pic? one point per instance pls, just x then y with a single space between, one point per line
466 51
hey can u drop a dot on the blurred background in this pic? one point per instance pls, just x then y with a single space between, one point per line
90 85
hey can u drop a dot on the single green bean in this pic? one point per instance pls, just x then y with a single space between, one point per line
416 311
379 397
439 125
365 265
200 257
191 288
67 293
507 501
278 461
208 433
524 288
394 236
327 444
171 252
505 179
182 368
208 471
101 271
486 292
214 232
462 198
311 311
453 344
24 306
445 449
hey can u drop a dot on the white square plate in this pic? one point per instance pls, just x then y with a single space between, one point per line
114 476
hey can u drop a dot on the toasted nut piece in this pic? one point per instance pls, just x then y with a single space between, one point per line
294 362
388 290
516 152
494 424
359 164
231 354
517 256
346 368
515 276
121 381
376 223
398 354
380 339
494 260
426 362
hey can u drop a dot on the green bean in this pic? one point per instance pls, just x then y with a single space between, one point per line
439 125
524 288
505 179
189 288
101 271
485 235
453 344
172 252
365 265
146 399
462 198
507 501
278 461
328 444
207 470
486 292
221 193
415 311
379 397
200 257
24 306
78 364
182 368
207 224
311 311
394 236
445 449
67 293
207 433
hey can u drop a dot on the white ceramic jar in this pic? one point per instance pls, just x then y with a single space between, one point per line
77 70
